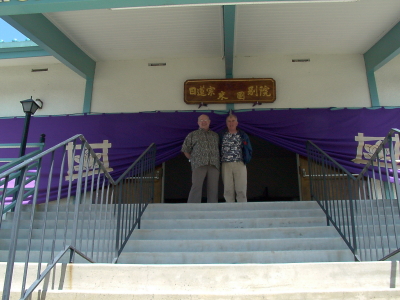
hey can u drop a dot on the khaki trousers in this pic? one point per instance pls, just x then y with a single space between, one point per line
198 176
234 176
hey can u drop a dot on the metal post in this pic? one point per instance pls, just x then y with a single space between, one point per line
22 151
13 241
25 134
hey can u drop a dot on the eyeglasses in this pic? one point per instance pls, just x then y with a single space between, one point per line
203 120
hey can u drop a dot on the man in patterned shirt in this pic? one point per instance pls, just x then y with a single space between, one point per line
236 152
201 148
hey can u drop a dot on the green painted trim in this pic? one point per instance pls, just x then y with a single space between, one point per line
195 111
87 103
384 50
229 13
16 7
243 110
373 90
19 49
25 54
221 112
230 106
47 36
16 45
22 52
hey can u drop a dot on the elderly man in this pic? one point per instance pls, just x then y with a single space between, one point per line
236 152
201 148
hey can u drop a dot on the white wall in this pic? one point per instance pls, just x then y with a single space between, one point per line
57 85
388 83
132 86
325 81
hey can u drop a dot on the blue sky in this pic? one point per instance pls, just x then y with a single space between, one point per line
8 33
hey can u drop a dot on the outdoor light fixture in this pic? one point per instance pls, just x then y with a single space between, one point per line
29 106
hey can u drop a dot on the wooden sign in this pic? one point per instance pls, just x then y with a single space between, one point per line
239 90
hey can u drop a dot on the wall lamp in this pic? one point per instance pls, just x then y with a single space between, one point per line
29 106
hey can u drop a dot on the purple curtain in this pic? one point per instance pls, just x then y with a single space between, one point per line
339 132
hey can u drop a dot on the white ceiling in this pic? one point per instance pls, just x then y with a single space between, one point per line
197 31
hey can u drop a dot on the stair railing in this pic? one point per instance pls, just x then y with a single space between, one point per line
13 185
364 208
76 208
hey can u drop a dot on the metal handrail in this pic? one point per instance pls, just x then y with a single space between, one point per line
364 209
17 160
82 209
12 192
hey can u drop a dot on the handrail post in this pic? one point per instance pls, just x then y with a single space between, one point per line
395 171
310 169
13 240
42 138
153 163
352 218
77 202
119 215
141 191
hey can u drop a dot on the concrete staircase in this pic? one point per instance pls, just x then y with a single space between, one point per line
269 250
233 233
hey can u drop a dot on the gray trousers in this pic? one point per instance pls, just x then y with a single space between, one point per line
234 176
198 176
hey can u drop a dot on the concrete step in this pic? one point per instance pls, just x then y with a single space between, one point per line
370 220
50 233
295 205
48 244
233 223
46 256
376 209
378 294
52 207
321 281
242 257
234 233
189 214
39 224
84 215
231 214
235 245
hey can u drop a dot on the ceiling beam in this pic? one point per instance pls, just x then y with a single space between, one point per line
48 37
384 50
229 38
17 7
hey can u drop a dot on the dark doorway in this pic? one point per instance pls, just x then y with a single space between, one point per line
271 175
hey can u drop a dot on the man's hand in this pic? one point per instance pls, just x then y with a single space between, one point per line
187 155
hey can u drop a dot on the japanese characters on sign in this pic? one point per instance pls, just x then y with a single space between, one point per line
239 90
90 168
367 146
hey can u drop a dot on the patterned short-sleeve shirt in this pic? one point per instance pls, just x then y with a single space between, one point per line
231 147
203 148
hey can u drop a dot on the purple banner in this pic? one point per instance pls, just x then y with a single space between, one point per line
348 135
